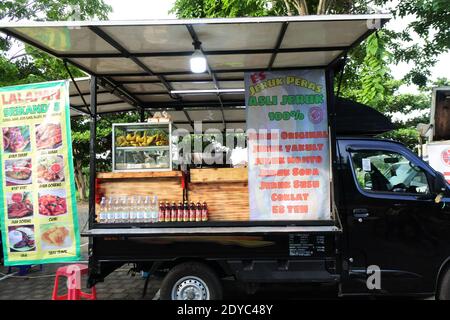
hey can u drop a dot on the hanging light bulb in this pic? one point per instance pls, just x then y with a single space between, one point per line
198 60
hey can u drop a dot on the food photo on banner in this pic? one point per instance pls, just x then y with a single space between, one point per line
38 213
288 149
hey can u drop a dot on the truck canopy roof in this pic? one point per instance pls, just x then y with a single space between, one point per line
145 64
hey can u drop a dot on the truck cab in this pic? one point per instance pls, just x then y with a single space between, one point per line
395 213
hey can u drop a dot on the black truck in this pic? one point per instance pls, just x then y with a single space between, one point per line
392 225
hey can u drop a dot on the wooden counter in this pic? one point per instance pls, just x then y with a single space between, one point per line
216 175
224 189
166 185
132 175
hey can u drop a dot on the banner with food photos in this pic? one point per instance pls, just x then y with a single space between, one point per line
38 213
288 145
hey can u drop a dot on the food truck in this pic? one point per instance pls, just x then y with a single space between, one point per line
317 199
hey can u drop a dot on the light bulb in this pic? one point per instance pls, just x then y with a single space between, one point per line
198 62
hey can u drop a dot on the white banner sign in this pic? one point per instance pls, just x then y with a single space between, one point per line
288 145
439 158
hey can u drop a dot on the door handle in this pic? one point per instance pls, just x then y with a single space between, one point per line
360 213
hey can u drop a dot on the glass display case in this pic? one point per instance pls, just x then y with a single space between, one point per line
142 146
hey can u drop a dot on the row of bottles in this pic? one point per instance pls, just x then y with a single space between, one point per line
183 212
146 209
129 209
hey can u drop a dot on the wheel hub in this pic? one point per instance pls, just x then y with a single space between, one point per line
190 288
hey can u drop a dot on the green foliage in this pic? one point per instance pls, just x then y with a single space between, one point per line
431 24
220 9
53 10
30 65
408 136
374 73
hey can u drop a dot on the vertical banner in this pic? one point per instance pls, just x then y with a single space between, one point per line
439 157
38 212
288 145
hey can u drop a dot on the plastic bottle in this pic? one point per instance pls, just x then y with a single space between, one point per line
139 210
126 206
118 211
147 210
110 211
155 209
133 210
102 213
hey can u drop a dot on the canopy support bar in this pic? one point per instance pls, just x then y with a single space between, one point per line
182 73
211 73
125 53
278 44
208 53
191 123
76 86
92 151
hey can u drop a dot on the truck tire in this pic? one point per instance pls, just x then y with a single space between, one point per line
191 281
444 286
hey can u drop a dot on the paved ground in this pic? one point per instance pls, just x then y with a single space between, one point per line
38 284
121 285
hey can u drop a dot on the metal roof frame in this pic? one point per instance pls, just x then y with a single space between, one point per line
141 101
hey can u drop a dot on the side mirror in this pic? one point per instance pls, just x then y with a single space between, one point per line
440 184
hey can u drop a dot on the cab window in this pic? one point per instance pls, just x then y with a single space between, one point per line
385 171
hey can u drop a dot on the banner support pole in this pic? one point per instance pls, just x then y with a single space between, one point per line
92 150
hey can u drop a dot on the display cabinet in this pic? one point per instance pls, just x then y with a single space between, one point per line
142 147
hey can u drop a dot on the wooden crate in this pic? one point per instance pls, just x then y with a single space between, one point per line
165 185
225 190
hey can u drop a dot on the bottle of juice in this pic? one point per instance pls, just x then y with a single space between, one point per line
167 212
204 211
198 212
173 212
162 210
180 212
185 212
192 211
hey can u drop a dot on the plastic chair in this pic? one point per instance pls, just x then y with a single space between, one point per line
73 274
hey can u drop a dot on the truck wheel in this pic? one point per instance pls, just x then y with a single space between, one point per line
444 286
191 281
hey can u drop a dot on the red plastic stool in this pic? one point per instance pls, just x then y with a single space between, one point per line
73 274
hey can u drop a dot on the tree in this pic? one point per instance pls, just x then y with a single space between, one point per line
30 65
423 39
367 78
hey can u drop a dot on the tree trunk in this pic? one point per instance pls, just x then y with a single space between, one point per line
301 6
288 7
322 7
80 181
